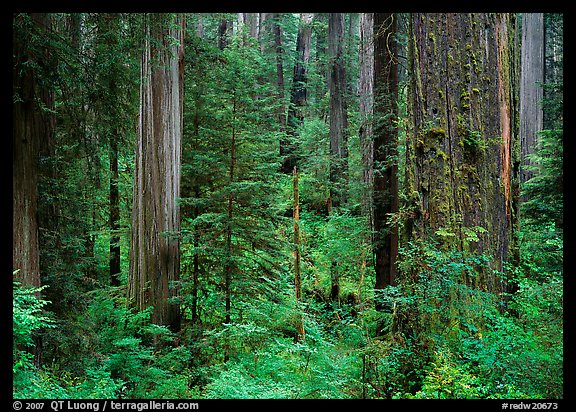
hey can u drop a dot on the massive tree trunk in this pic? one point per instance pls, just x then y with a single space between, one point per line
463 112
338 127
33 127
154 254
531 89
385 195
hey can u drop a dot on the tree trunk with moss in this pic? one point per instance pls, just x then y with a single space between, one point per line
463 142
154 253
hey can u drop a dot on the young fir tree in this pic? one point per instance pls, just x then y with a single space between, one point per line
230 171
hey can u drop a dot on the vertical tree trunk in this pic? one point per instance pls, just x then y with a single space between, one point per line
385 194
366 96
298 96
463 135
338 128
196 261
224 30
154 254
253 20
277 32
32 129
114 214
297 277
229 267
321 54
338 111
531 89
262 29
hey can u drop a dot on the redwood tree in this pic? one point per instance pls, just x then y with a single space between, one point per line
338 111
366 107
463 114
298 96
33 126
338 127
531 89
385 195
154 253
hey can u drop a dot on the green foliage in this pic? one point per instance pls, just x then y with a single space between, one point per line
268 364
443 336
449 378
28 318
472 349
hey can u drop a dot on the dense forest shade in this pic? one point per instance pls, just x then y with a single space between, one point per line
288 205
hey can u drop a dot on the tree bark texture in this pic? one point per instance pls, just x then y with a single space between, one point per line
385 196
338 128
366 97
338 111
463 118
33 127
531 90
154 254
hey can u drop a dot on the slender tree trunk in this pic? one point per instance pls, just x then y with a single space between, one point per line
531 89
196 261
229 267
154 254
297 275
385 195
114 214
